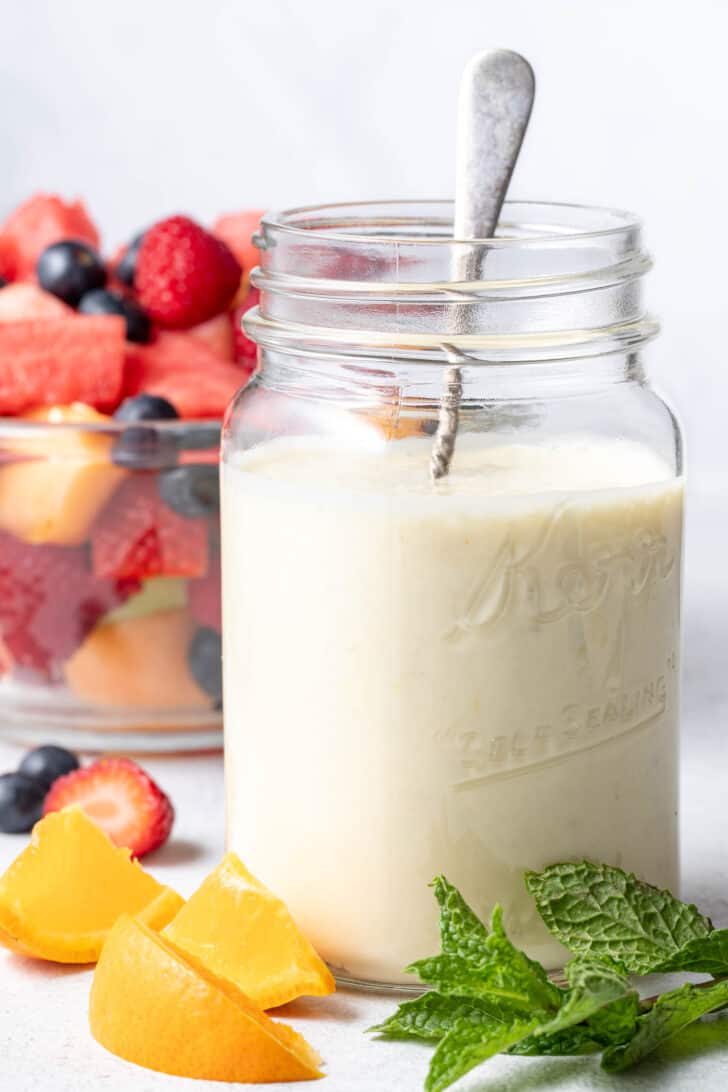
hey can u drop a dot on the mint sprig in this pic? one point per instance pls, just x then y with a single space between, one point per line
488 996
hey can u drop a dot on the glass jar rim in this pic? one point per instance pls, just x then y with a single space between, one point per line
359 279
304 221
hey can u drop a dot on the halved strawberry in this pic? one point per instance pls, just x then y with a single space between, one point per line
121 798
138 536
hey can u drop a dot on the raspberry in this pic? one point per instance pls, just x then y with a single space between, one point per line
184 275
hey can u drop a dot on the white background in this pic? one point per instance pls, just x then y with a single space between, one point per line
148 107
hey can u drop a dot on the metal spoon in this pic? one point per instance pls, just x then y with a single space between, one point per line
496 96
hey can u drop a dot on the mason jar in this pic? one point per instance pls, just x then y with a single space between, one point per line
475 675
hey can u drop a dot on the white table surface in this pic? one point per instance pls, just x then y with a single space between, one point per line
45 1045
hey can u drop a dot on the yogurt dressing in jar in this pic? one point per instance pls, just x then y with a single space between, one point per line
473 677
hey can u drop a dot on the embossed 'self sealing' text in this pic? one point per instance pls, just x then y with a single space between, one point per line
577 727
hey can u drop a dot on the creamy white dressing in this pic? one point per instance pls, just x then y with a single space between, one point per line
474 679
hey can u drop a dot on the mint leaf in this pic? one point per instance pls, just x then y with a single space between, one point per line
461 931
708 955
670 1013
501 970
602 911
600 1008
615 1023
433 1015
594 985
575 1040
452 975
467 1045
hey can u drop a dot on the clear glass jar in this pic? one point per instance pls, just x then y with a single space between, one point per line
473 677
109 582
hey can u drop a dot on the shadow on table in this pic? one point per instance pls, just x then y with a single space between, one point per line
178 851
661 1070
338 1006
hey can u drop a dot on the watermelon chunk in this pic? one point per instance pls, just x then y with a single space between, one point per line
137 536
49 602
246 351
205 599
41 220
217 334
7 259
48 362
236 229
180 368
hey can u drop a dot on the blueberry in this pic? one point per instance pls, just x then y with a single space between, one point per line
103 302
21 802
192 491
3 282
142 447
70 269
47 764
146 407
204 657
126 268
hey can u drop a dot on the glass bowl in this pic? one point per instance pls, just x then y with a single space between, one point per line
110 582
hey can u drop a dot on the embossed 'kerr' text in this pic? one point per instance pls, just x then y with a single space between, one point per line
518 581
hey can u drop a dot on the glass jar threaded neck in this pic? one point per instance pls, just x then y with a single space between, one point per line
558 282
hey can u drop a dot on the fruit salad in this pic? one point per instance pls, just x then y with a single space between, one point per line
114 376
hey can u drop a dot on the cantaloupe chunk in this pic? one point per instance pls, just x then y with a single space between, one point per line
152 1005
395 425
22 302
138 662
246 934
61 482
60 897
